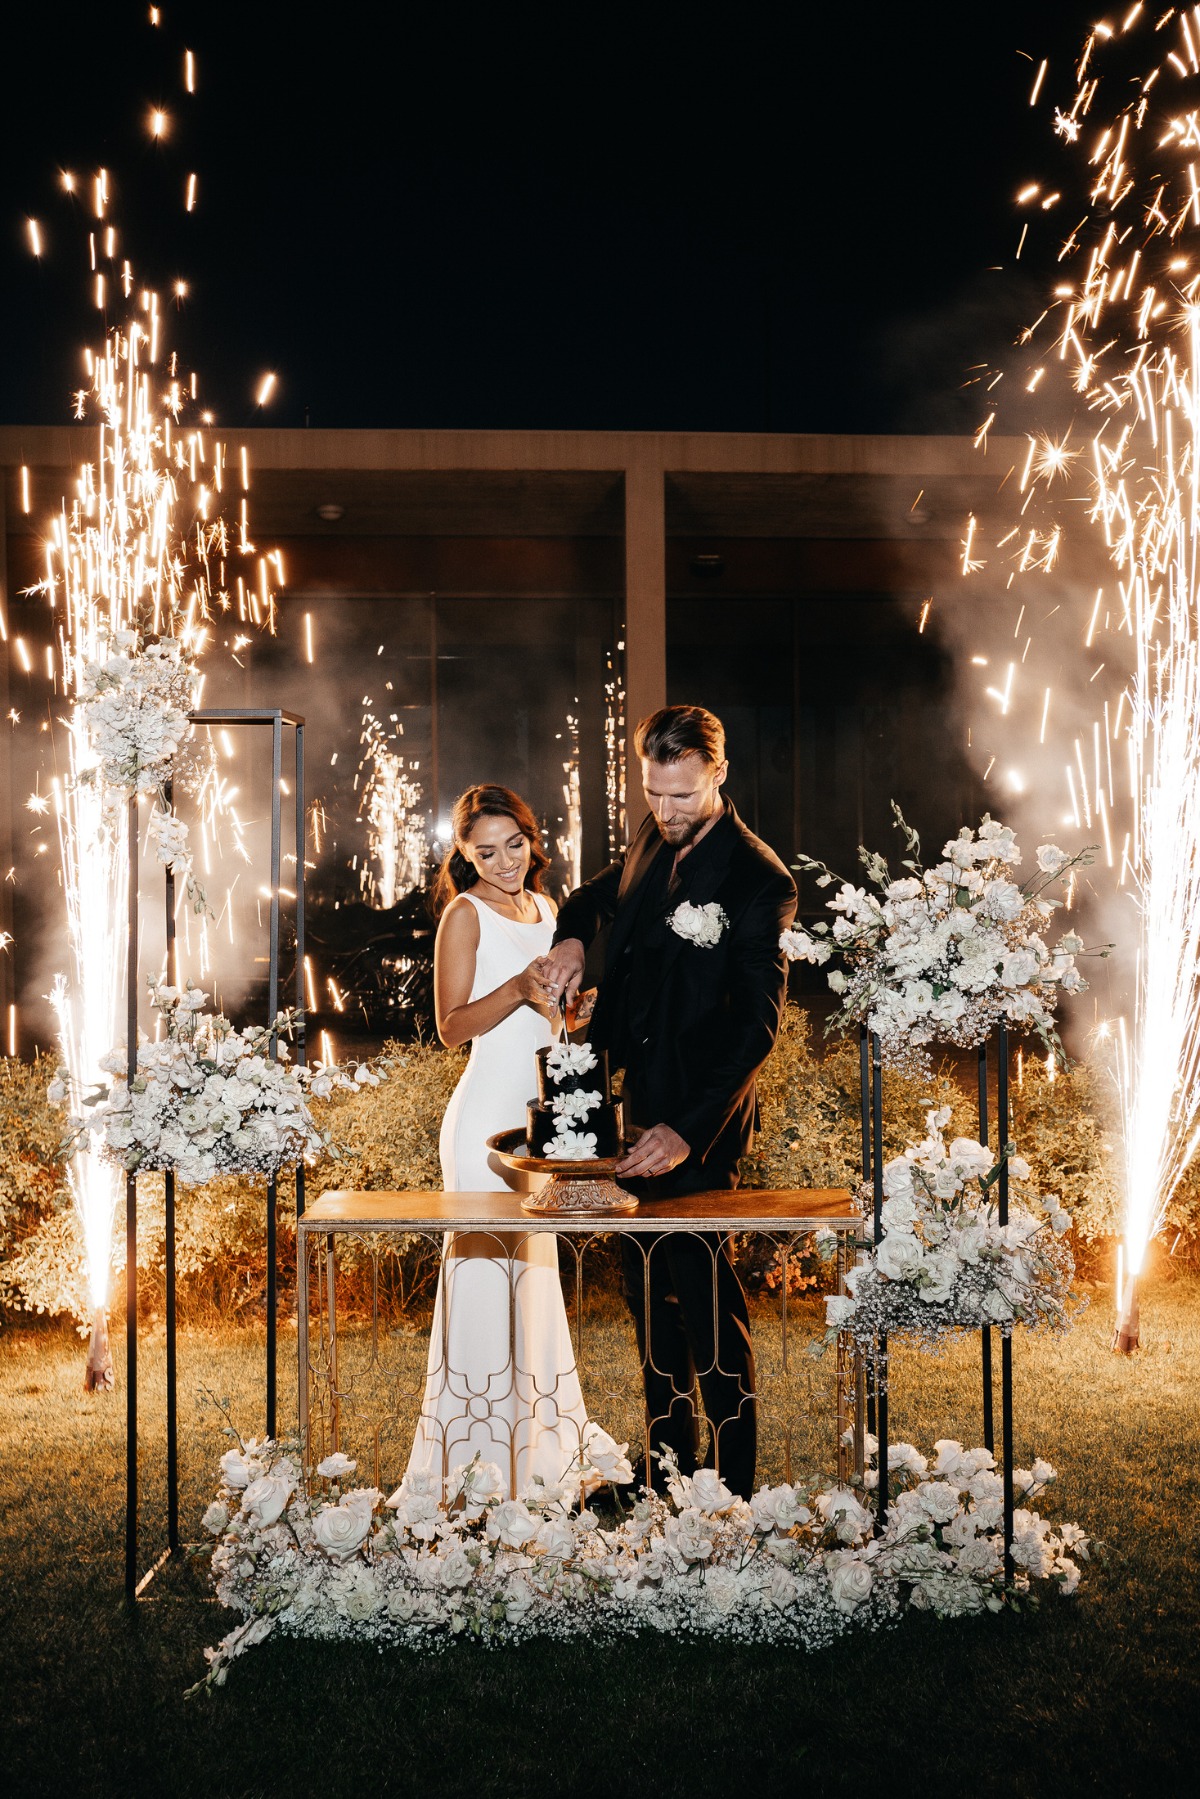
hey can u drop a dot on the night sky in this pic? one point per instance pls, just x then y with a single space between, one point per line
748 218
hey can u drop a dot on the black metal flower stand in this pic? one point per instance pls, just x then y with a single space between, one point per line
876 1372
276 718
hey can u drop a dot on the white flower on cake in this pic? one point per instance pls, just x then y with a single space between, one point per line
572 1146
701 925
565 1059
567 1106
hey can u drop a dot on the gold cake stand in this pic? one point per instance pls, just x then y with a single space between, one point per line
572 1187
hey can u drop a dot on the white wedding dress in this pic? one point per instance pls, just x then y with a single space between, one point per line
501 1379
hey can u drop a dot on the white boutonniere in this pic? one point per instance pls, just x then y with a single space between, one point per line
701 925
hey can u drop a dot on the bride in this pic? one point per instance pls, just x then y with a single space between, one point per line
501 1379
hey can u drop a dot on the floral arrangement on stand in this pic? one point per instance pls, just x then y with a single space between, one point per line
942 954
445 1561
135 700
207 1099
944 1263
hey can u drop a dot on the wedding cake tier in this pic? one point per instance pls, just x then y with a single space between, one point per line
574 1118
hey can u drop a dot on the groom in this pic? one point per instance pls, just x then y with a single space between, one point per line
689 1005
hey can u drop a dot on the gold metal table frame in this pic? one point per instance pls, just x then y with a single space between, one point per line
790 1215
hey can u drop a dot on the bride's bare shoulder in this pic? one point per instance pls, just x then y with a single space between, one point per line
458 927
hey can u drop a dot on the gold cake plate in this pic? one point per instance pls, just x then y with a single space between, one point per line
573 1186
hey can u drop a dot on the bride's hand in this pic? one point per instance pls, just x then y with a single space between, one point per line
533 984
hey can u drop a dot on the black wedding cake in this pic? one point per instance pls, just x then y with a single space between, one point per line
575 1117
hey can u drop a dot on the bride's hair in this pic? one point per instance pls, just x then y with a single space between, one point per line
456 874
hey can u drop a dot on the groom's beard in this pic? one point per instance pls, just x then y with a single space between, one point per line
684 831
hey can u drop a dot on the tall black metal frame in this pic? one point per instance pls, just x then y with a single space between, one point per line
276 718
871 1085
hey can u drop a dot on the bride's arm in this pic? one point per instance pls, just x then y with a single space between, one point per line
459 1017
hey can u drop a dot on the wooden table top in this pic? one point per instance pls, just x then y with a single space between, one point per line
743 1209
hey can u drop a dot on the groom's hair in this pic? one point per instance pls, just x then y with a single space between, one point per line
675 731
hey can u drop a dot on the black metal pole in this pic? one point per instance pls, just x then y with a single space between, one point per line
989 1428
301 1013
131 1396
1006 1364
881 1358
864 1100
272 1013
169 1252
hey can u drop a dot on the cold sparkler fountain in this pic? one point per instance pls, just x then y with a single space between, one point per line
1119 373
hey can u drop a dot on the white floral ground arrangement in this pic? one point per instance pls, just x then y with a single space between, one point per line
942 954
208 1099
445 1562
944 1263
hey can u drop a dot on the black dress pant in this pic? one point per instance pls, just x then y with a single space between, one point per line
693 1328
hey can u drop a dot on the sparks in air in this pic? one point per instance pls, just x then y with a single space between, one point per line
135 552
390 806
1120 340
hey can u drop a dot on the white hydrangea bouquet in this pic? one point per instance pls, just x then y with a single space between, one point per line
136 698
208 1099
446 1560
944 1262
942 954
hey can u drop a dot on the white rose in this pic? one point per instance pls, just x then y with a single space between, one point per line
938 1275
782 1587
356 1594
899 1213
554 1539
939 1500
685 1536
907 1458
839 1310
239 1467
264 1499
979 1556
850 1583
478 1482
511 1524
723 1589
341 1530
777 1508
1050 859
518 1597
607 1458
455 1570
972 1159
840 1508
899 1256
708 1491
336 1466
215 1518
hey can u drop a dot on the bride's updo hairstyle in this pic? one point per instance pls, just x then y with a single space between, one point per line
456 874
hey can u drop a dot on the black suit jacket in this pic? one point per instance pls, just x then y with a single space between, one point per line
712 1014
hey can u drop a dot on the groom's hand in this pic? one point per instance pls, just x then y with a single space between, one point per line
564 969
656 1151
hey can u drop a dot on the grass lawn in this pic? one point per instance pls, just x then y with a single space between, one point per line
1094 1695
